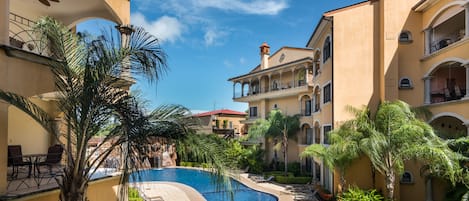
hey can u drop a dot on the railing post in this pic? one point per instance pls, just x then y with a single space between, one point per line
4 22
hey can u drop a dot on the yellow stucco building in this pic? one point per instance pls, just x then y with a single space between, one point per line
376 50
24 71
222 122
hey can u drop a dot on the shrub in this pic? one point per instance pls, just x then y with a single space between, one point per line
292 180
294 167
186 164
134 195
278 173
356 194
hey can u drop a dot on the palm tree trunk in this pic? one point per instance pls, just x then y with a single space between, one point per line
342 181
390 179
285 149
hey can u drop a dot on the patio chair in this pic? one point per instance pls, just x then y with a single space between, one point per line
53 158
457 91
262 180
15 160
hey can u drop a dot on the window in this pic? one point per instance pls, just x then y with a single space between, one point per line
405 37
308 108
405 83
407 178
327 129
327 93
253 112
231 125
326 50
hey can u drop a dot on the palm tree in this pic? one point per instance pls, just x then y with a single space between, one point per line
344 148
277 126
90 94
394 135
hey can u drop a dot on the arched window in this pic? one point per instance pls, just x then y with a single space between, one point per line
326 53
405 83
407 178
405 37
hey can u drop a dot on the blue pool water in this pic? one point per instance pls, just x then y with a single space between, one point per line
202 181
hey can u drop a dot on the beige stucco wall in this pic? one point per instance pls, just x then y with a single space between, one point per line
290 54
97 191
355 70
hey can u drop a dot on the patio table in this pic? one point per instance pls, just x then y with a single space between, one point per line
33 158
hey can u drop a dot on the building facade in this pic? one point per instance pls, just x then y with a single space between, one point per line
24 66
222 122
373 51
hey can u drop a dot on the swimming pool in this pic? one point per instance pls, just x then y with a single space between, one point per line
202 182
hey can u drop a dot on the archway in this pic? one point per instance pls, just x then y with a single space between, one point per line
449 127
447 82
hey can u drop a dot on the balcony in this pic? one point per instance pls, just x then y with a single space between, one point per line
23 37
267 93
446 32
447 83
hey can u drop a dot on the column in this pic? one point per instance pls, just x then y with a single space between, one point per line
242 89
466 10
467 79
280 81
270 86
428 40
4 22
3 146
428 190
427 90
293 78
234 89
125 31
259 79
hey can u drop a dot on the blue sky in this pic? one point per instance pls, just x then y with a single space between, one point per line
209 41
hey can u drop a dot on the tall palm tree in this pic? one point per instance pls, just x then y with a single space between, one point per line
344 148
395 135
90 94
277 126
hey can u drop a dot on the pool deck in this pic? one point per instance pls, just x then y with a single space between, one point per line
168 191
280 191
173 191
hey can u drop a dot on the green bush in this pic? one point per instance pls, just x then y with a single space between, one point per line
134 195
356 194
278 173
295 168
186 164
292 180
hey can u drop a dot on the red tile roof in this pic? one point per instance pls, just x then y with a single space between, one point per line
224 111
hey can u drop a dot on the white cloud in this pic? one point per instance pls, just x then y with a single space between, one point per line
258 7
213 37
242 60
164 28
227 64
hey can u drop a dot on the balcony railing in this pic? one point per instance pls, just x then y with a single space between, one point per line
22 36
265 90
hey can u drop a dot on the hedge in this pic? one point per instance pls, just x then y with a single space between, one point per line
292 180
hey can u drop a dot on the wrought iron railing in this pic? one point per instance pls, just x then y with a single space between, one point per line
263 90
23 36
